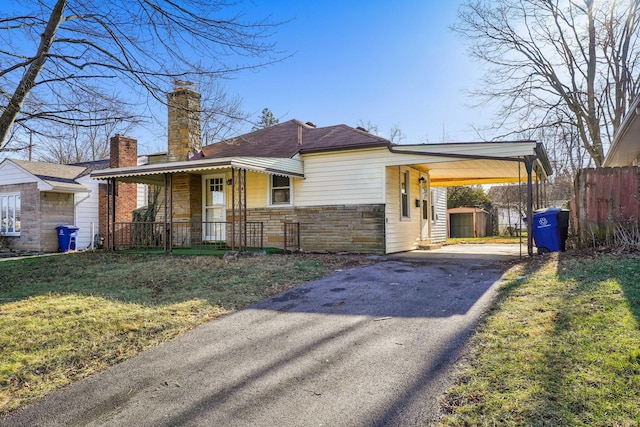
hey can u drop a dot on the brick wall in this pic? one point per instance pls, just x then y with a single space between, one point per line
124 153
184 138
337 228
29 238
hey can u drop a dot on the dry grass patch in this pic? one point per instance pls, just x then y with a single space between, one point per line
65 317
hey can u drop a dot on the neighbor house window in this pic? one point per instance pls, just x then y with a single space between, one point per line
404 194
10 214
280 190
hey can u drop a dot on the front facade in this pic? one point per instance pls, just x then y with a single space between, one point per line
335 188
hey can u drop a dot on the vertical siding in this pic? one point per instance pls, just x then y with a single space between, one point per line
439 230
606 198
402 234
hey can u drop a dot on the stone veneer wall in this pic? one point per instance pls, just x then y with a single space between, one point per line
55 209
29 238
335 228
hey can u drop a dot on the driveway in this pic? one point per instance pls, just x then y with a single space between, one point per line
368 346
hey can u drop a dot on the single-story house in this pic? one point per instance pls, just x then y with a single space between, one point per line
36 197
333 188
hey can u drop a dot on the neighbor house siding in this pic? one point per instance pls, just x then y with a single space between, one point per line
55 209
402 234
87 212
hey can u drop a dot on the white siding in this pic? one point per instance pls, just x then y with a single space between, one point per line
12 174
439 230
342 178
86 211
401 234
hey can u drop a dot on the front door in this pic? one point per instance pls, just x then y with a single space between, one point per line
215 210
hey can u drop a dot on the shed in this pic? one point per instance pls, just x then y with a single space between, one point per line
468 222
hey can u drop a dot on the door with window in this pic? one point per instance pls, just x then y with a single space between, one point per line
214 209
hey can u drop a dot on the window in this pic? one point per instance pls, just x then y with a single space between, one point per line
10 214
404 194
280 190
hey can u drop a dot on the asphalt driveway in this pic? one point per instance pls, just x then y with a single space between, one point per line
369 346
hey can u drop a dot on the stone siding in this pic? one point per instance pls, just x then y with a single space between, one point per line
335 228
55 209
29 238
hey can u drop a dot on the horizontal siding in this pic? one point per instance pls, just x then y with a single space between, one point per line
439 230
12 174
86 212
345 178
402 234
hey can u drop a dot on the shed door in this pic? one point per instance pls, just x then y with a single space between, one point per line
215 210
462 225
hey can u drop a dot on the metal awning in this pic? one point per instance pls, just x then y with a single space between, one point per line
153 173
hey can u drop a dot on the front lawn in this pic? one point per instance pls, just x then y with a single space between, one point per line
67 316
560 348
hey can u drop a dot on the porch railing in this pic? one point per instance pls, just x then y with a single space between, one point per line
291 236
221 234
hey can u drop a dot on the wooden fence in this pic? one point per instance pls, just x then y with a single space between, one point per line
607 200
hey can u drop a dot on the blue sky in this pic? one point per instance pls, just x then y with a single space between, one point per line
387 63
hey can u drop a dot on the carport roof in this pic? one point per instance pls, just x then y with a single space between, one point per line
476 162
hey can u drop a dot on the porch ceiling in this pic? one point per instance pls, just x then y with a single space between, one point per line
472 172
153 173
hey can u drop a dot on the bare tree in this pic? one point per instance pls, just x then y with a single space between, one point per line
396 135
557 59
51 50
222 114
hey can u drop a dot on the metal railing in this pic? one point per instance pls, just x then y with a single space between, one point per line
291 236
220 234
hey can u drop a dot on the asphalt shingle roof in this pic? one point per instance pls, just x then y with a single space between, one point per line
292 137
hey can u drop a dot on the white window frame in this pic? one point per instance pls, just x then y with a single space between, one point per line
405 194
8 210
272 188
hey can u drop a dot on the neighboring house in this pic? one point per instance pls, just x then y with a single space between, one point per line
36 197
343 188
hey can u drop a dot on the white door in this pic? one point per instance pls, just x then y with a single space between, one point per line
215 212
425 217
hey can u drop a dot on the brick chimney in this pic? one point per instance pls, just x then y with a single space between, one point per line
184 124
124 152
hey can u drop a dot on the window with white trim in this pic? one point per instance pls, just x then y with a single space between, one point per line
10 207
404 195
280 193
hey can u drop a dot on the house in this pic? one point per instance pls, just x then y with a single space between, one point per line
36 197
334 188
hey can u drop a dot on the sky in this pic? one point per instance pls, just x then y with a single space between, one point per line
380 62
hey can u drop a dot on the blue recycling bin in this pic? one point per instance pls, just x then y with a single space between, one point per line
549 230
67 236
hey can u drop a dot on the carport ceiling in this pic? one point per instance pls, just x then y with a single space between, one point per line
473 172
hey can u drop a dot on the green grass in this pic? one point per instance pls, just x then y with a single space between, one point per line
561 348
487 239
65 317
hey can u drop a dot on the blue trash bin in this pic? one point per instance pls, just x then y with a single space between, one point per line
546 230
67 237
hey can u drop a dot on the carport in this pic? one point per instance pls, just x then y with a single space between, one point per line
460 164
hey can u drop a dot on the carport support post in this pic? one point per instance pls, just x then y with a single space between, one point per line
528 162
